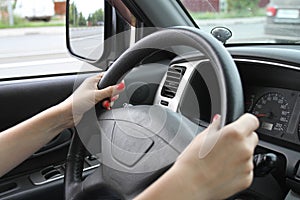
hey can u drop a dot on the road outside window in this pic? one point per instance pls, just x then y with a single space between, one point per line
255 21
34 44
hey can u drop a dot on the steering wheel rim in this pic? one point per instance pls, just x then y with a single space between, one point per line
224 67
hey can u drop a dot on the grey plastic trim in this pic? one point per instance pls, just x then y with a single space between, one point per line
173 103
266 62
38 179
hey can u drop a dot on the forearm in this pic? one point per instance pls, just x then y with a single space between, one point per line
173 185
217 164
22 140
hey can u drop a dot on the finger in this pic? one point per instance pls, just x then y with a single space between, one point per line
119 88
111 104
110 91
114 98
253 139
98 77
106 104
104 93
244 165
249 165
93 81
216 122
245 181
247 147
246 124
211 138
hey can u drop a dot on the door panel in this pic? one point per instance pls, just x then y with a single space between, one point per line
21 99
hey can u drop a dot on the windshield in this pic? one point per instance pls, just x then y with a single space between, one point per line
255 21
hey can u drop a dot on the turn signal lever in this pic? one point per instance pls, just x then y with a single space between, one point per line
264 163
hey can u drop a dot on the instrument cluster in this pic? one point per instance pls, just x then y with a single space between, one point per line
278 111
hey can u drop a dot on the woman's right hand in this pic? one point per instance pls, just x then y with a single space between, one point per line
219 163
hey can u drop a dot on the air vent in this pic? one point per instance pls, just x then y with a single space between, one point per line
174 76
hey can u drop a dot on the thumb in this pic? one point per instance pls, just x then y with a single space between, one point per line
110 91
211 137
216 122
104 93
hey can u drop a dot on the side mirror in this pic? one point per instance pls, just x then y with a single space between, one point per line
221 33
85 28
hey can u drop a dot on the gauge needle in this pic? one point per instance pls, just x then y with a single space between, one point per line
263 115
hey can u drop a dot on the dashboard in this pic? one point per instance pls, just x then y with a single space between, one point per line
270 77
278 111
271 91
271 82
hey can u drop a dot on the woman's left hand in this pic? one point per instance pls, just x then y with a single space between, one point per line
88 95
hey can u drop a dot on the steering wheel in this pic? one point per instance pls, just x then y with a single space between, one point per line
139 143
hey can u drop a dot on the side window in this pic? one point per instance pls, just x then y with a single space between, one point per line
86 28
33 43
99 33
127 21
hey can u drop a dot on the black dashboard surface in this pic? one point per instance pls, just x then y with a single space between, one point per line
270 78
272 91
271 81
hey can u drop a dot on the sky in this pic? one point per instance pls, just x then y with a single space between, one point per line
88 6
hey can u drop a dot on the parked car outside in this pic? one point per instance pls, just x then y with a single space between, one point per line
283 20
171 78
35 9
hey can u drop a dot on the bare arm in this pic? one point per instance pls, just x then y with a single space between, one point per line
216 165
19 142
22 140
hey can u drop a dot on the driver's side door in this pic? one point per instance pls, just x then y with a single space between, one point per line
29 85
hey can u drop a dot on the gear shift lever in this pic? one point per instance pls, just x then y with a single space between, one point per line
264 163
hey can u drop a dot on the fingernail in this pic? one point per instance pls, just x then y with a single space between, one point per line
106 104
216 117
111 104
121 86
114 98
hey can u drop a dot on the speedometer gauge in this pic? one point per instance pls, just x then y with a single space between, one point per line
273 112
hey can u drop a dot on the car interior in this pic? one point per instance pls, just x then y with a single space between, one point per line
177 76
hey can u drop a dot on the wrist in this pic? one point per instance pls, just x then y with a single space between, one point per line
194 184
175 184
64 115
